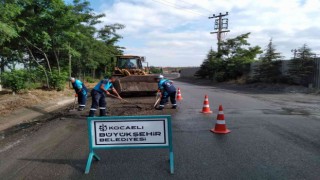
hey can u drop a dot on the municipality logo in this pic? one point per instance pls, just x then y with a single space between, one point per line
103 127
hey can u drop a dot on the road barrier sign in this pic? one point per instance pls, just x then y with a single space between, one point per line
123 132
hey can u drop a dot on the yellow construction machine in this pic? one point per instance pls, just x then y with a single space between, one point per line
132 77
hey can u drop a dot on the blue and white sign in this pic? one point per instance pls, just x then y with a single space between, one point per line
115 132
146 132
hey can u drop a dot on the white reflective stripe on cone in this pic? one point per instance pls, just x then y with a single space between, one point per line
206 105
206 99
221 122
220 112
93 109
102 108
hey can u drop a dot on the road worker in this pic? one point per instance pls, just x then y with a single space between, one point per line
167 91
99 93
81 92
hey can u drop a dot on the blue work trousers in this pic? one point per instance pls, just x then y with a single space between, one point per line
98 100
165 96
82 99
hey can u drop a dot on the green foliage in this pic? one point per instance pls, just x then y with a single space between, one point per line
18 80
8 28
269 69
154 70
231 62
210 66
237 55
89 79
58 81
220 76
33 85
302 66
15 80
108 74
48 34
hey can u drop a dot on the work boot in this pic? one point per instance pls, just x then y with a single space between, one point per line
174 107
159 108
91 113
80 108
103 112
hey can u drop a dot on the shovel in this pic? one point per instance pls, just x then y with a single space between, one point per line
155 104
158 97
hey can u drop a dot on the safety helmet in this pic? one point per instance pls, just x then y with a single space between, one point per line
71 79
160 76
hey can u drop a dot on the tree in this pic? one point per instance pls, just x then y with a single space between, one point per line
238 55
302 65
9 29
269 68
52 36
155 70
231 62
210 65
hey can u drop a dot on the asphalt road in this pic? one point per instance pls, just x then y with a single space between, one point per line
266 142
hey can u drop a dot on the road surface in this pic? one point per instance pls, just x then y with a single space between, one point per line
266 142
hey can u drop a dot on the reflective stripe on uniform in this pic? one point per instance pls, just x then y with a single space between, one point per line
93 109
161 105
82 105
102 107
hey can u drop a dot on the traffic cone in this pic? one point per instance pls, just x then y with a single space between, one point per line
179 96
206 106
220 127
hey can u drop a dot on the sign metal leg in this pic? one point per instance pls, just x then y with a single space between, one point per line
89 162
171 162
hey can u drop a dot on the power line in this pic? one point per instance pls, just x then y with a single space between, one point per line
179 7
196 6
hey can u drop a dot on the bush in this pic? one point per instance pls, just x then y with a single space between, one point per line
154 70
220 76
89 79
33 85
108 74
15 80
57 81
37 75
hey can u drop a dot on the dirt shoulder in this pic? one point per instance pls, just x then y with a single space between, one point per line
10 103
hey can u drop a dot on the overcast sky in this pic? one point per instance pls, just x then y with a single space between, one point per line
177 32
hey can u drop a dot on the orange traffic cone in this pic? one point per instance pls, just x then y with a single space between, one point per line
206 107
220 127
179 96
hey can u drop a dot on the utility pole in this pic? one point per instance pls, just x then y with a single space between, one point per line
294 53
221 26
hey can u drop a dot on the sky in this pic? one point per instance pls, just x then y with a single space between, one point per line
177 32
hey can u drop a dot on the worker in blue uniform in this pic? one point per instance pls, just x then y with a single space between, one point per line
167 91
99 93
81 91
